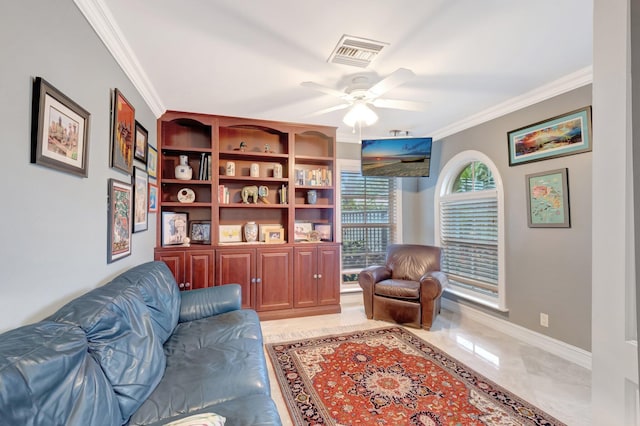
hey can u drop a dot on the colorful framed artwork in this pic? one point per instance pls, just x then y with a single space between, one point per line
122 133
119 225
152 161
59 130
140 200
274 235
230 233
200 231
141 143
263 226
174 228
153 198
301 231
324 231
562 135
548 199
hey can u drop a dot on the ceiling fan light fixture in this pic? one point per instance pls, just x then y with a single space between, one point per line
360 113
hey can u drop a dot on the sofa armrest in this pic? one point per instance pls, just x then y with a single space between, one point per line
367 279
209 301
433 284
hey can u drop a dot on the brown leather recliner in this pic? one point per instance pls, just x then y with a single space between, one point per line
407 289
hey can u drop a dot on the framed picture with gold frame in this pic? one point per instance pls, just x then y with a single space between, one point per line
274 235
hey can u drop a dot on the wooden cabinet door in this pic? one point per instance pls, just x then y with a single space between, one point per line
274 287
328 275
237 266
305 285
199 269
175 262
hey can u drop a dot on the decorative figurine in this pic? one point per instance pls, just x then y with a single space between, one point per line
243 146
267 147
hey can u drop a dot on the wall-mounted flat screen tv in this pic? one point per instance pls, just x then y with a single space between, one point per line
396 157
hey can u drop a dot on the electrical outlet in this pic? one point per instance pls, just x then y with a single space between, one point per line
544 320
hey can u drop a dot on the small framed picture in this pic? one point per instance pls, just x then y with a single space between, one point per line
174 228
301 231
274 235
152 161
142 136
200 231
119 225
230 233
153 198
263 226
324 231
140 199
122 133
59 130
548 199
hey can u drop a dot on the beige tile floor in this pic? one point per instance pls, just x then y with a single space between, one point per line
557 386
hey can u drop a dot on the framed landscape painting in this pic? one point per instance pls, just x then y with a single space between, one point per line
562 135
142 140
119 225
548 199
59 130
122 133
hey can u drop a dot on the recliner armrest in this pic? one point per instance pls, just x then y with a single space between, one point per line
373 274
209 301
433 284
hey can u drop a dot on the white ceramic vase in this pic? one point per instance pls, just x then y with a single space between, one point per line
250 232
184 170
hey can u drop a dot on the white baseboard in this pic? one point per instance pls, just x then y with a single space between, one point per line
563 350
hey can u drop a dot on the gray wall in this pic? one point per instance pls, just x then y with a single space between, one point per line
54 225
547 270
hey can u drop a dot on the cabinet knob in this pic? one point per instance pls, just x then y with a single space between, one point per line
315 276
259 280
319 276
253 280
181 285
187 285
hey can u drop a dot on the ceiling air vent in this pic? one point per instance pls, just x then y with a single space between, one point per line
356 51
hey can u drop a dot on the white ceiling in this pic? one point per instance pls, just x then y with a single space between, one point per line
248 57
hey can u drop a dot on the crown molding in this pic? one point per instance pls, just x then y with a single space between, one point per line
562 85
103 23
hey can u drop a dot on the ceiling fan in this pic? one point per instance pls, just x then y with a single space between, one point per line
361 93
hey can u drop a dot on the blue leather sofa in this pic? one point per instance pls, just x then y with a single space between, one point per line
137 351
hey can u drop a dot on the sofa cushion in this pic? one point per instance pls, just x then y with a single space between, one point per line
208 362
47 374
121 337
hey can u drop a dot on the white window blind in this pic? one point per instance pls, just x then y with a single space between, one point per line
368 218
469 239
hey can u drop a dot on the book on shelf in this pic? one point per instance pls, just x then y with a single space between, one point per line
313 177
223 194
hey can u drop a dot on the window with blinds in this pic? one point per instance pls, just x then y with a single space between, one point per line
368 218
469 234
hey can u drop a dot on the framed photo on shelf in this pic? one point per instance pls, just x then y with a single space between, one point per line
324 231
301 231
119 224
548 199
230 233
152 161
174 228
263 226
200 231
141 143
274 235
153 198
59 130
140 199
565 134
122 133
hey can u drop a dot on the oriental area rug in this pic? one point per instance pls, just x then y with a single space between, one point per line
389 376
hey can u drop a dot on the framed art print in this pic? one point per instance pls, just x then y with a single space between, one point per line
152 162
119 225
548 199
153 198
230 233
200 231
174 228
59 130
562 135
140 199
141 142
122 133
274 235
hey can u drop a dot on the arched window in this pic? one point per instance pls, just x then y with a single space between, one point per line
469 221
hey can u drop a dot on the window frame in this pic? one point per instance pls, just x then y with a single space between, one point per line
354 166
443 192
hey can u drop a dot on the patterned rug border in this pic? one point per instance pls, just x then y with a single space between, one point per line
458 369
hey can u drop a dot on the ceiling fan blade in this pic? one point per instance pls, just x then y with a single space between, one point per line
396 78
324 89
398 104
330 109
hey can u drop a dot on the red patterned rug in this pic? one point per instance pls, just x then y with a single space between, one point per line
388 376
